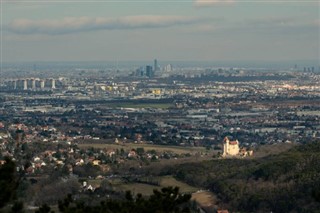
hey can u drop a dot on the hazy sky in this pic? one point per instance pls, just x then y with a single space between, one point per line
213 30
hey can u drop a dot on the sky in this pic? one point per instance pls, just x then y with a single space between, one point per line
139 30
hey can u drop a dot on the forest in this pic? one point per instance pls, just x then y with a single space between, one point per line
286 182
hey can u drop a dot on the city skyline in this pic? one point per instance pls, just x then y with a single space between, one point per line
212 30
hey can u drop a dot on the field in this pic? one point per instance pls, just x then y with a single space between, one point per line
146 147
171 181
147 189
204 198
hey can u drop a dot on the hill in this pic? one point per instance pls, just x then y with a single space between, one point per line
286 182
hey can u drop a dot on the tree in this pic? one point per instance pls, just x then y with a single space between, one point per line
140 151
168 200
43 209
8 182
17 207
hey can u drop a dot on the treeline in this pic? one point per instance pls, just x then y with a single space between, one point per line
286 182
167 200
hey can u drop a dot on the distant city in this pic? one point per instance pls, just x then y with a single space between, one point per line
99 129
225 99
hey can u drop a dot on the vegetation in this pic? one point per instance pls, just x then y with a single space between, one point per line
279 183
145 185
145 147
8 182
167 200
285 182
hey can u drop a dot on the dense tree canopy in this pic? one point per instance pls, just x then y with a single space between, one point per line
286 182
8 182
165 201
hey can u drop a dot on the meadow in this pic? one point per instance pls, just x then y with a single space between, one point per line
147 147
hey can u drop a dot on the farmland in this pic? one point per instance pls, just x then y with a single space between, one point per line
147 147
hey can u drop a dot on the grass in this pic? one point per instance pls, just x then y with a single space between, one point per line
94 182
204 198
171 181
146 189
147 147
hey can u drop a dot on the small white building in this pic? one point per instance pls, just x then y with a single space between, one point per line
230 148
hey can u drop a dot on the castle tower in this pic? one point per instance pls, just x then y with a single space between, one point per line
225 146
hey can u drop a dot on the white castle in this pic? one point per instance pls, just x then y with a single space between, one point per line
230 148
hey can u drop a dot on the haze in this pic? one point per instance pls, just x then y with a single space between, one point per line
168 30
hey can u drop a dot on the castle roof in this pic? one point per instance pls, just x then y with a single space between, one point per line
233 142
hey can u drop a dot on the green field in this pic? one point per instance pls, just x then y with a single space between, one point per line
171 181
147 147
147 189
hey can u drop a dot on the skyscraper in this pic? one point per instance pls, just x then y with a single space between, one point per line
155 68
149 71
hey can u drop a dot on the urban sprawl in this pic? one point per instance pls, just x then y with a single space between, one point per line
97 124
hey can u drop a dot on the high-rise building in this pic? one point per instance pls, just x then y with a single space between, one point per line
149 71
50 83
33 83
42 84
30 83
168 68
155 68
53 83
14 84
139 72
25 84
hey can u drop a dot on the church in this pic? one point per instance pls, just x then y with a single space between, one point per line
230 148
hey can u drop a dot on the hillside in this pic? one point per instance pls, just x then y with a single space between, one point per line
287 182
